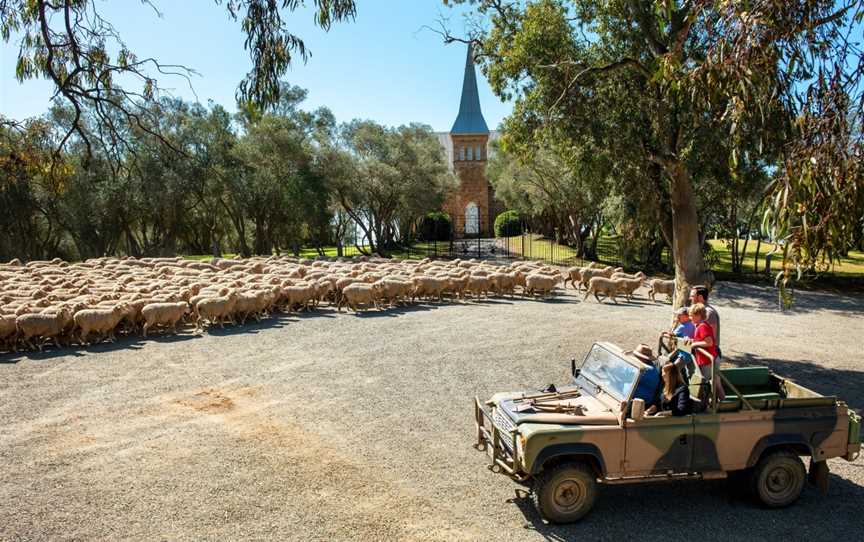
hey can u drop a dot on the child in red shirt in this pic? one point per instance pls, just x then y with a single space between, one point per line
703 338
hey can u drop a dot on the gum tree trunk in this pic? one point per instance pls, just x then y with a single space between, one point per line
686 251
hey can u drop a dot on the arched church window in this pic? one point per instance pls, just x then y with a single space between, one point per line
477 153
470 153
461 153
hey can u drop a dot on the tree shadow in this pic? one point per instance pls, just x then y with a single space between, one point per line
845 384
721 511
765 299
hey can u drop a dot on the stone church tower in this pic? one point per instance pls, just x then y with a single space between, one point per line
471 206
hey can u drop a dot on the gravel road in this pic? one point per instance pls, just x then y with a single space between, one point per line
340 427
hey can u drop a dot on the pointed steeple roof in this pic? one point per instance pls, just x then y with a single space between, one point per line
470 119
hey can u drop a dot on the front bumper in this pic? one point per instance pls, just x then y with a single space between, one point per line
499 443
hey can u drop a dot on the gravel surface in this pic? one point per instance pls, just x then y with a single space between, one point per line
332 426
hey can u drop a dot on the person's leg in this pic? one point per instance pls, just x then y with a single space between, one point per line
705 371
720 394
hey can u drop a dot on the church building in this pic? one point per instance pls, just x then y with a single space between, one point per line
472 206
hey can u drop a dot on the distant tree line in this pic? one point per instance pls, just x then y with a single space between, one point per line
261 181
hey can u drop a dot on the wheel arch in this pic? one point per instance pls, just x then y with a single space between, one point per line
556 454
789 441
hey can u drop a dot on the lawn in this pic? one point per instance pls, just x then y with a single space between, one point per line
540 248
851 266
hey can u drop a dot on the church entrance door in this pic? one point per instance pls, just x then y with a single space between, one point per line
472 219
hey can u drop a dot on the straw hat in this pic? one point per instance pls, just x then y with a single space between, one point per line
644 353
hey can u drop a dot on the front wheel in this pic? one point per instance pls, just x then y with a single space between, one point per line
778 478
565 493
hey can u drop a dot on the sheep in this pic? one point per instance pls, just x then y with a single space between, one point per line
167 314
8 331
621 275
586 274
426 286
300 295
478 285
574 276
46 326
602 285
627 286
456 285
393 290
503 283
358 294
660 286
538 282
215 309
101 321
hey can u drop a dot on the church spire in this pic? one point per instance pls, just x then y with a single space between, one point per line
470 119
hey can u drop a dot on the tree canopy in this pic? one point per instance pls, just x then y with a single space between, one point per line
84 56
697 99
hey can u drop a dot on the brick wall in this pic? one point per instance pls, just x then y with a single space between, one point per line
473 185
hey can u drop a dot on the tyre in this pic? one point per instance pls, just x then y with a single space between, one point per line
565 493
778 478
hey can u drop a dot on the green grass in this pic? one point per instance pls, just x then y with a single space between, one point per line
541 248
853 266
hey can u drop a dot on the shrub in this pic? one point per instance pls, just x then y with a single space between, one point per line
508 224
435 226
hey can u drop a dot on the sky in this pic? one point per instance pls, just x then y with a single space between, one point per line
383 66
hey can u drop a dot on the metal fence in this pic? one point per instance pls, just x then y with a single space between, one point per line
472 237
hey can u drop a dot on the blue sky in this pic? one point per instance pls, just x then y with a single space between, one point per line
383 66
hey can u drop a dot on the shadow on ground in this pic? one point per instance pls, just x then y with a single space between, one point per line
717 509
765 299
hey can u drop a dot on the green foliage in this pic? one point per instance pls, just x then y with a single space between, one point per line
271 179
394 177
508 224
436 226
81 53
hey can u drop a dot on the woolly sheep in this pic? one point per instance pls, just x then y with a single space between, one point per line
215 309
358 294
101 321
574 276
163 314
45 326
602 285
540 283
628 286
660 286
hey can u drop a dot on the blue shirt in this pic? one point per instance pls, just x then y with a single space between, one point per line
646 389
687 329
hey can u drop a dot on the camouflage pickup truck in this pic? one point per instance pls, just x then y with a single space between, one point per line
568 440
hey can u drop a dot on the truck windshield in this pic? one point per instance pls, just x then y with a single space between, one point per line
601 368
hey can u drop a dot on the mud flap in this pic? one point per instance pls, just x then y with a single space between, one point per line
818 476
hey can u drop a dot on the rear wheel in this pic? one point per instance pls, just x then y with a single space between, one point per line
565 493
778 478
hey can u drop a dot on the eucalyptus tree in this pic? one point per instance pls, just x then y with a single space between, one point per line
75 47
660 82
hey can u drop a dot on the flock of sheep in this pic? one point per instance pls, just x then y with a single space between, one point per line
58 302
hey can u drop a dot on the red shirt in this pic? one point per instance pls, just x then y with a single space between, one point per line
704 330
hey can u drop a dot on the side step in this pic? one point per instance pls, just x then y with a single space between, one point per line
709 475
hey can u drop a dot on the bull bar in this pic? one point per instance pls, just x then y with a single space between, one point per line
490 439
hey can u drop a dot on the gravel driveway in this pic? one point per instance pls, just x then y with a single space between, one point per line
332 426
